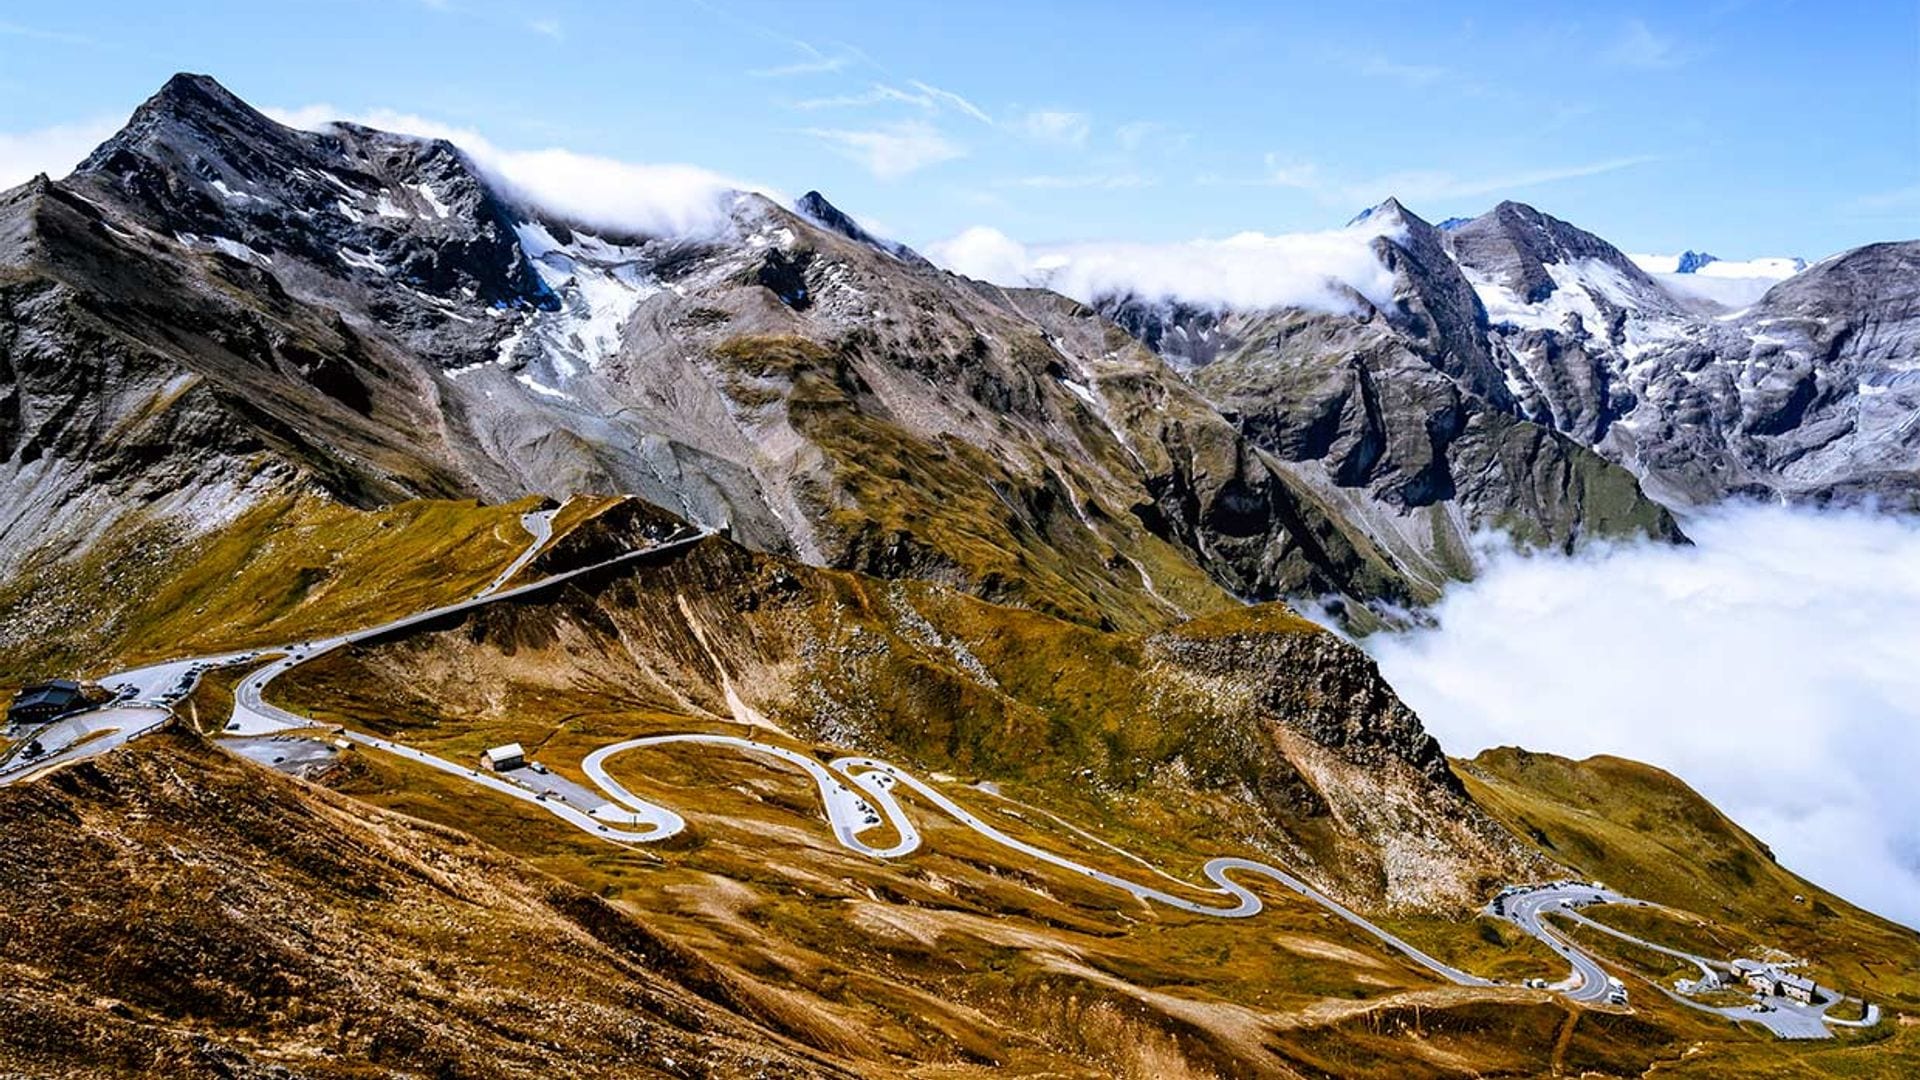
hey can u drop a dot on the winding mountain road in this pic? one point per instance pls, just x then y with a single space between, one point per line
857 793
145 696
1588 982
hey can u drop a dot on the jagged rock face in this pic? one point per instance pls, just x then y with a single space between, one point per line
815 207
1513 245
1802 396
1809 396
1187 335
1540 338
1434 307
1408 416
200 165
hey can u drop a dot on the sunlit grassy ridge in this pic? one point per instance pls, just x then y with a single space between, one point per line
1646 833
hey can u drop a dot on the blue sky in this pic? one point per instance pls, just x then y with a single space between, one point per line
1757 128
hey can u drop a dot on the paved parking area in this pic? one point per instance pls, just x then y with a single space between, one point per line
551 785
305 756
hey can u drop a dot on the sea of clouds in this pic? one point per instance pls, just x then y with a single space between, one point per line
1248 270
1775 667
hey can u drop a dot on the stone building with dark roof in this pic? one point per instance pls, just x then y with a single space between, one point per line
41 702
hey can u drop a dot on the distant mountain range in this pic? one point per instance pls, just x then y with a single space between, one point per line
1801 392
214 307
1705 265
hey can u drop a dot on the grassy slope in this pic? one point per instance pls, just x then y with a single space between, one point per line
961 956
1220 719
287 569
172 911
899 504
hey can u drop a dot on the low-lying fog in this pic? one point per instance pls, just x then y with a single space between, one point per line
1775 667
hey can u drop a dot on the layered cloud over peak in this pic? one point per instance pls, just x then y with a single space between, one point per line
1320 270
600 192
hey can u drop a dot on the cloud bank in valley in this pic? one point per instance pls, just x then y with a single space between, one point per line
599 192
1775 667
1248 270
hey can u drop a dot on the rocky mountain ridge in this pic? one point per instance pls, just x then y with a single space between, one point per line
370 316
1803 395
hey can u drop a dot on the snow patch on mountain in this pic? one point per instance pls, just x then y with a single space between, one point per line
597 284
226 246
1735 293
1577 285
1729 283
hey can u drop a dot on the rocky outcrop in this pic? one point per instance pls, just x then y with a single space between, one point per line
1322 742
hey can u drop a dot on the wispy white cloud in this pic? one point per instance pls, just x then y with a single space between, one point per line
953 100
1420 185
1770 666
548 28
812 61
893 150
923 96
648 198
52 150
1057 127
1638 46
878 94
